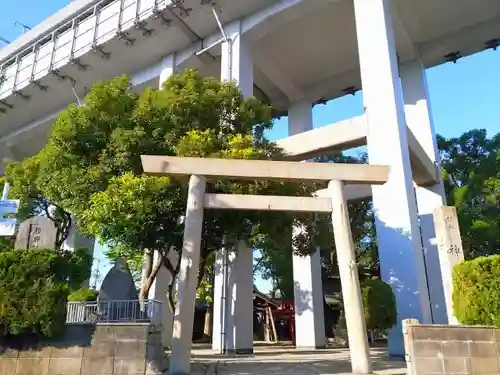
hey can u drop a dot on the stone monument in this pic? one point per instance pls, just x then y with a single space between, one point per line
37 232
450 251
118 297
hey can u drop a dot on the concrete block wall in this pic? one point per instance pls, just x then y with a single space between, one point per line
102 349
451 349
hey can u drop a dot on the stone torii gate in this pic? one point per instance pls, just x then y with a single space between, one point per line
202 168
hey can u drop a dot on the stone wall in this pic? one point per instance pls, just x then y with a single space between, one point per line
102 349
451 349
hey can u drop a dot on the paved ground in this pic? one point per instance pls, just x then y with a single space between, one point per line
289 361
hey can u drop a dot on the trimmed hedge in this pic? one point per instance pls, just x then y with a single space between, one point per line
34 286
379 304
476 291
82 295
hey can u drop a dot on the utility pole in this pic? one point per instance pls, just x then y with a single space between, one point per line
97 274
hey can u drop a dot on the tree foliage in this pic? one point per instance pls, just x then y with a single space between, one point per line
91 165
34 285
470 173
379 304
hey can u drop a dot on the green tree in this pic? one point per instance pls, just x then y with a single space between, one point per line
91 165
379 304
470 173
22 177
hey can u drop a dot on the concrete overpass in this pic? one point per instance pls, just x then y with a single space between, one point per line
302 50
292 54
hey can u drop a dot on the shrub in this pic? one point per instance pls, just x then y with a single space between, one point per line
379 304
34 287
6 243
82 295
476 291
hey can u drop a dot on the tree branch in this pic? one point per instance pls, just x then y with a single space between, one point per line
258 264
62 226
174 272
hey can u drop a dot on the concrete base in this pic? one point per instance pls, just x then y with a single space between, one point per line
305 348
113 349
238 351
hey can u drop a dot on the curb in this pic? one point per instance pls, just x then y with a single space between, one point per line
212 368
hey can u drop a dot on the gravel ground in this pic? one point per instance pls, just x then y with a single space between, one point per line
288 361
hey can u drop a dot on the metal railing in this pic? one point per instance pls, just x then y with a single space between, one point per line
92 27
114 312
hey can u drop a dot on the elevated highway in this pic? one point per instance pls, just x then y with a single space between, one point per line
302 49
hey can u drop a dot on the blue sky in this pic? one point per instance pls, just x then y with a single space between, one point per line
464 95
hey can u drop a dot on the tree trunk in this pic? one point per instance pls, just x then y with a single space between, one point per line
146 272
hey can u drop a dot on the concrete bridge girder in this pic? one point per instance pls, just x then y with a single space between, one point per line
352 133
284 91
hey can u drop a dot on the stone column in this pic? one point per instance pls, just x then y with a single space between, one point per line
188 279
76 241
419 120
6 156
243 304
396 217
158 292
236 60
169 66
307 271
233 285
233 301
351 290
219 339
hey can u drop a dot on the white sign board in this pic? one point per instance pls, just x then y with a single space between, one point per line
9 206
7 227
